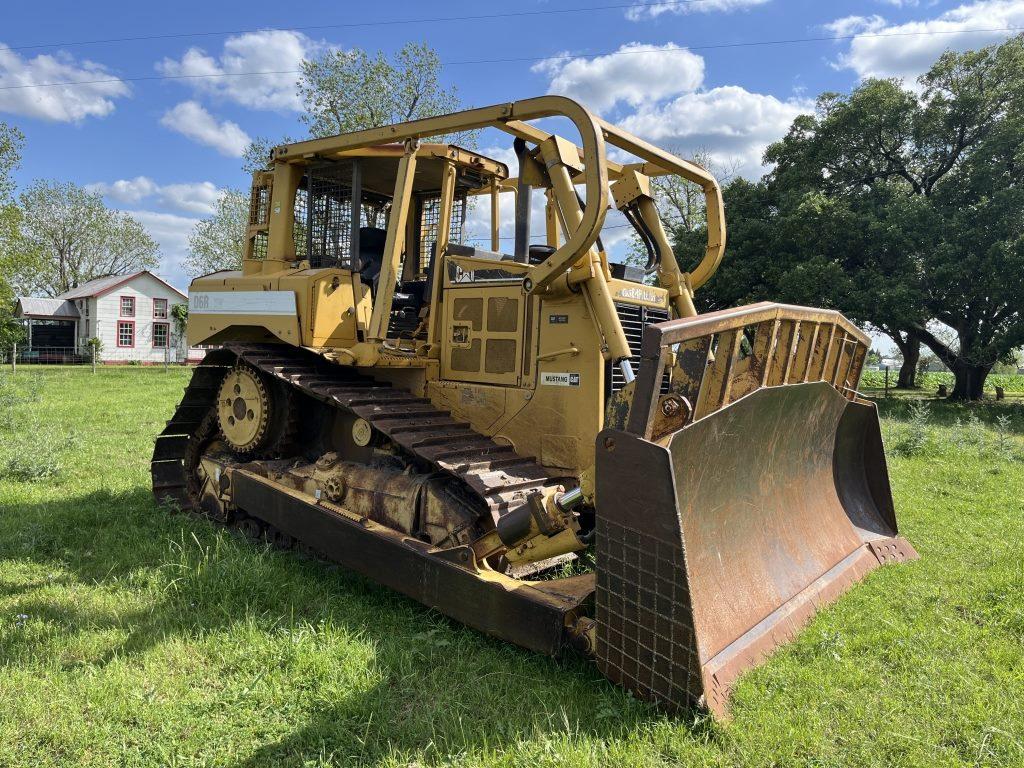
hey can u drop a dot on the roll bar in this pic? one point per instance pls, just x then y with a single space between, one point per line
513 118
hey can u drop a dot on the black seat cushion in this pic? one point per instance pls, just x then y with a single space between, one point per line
410 294
371 252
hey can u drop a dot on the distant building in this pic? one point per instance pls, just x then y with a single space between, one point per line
130 314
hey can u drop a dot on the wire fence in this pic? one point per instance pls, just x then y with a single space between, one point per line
22 355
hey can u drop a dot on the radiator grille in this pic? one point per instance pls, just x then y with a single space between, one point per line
634 319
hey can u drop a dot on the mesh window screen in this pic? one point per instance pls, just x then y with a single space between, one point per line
300 230
259 206
323 215
430 213
458 220
329 203
259 246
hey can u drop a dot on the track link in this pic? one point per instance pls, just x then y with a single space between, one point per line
498 476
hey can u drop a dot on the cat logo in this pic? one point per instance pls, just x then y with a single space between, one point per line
638 294
560 379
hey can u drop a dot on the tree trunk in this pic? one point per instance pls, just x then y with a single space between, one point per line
969 381
910 349
908 370
968 378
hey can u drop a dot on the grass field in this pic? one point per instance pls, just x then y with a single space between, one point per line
1012 383
132 637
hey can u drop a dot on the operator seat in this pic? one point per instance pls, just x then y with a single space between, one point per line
371 254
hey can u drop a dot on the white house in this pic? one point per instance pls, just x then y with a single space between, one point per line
130 314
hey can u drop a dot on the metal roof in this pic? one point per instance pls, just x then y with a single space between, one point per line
97 286
56 309
102 285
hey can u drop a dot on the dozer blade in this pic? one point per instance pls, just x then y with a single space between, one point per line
717 543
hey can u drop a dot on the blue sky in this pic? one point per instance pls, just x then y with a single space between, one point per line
164 148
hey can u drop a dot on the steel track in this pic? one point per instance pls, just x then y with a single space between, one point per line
494 473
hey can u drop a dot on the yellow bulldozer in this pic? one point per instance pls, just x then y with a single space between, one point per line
462 423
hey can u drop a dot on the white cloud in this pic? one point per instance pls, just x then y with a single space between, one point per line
900 3
636 74
732 124
129 191
852 25
190 119
902 51
199 197
194 197
277 52
506 155
20 93
171 232
642 11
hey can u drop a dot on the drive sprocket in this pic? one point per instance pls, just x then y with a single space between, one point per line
244 409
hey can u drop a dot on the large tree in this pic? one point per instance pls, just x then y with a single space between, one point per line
218 242
900 207
973 273
351 90
11 143
846 253
855 253
348 90
67 236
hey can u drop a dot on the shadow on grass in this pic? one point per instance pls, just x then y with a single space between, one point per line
428 685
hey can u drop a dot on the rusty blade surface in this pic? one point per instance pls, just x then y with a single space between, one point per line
748 521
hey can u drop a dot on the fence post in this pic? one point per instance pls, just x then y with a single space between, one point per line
167 354
14 357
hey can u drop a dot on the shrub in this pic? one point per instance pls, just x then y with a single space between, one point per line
36 450
32 465
1003 445
914 438
95 345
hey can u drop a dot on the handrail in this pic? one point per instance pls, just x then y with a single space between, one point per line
666 161
792 345
594 132
595 168
676 331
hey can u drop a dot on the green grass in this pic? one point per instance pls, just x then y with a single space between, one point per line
930 381
129 636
